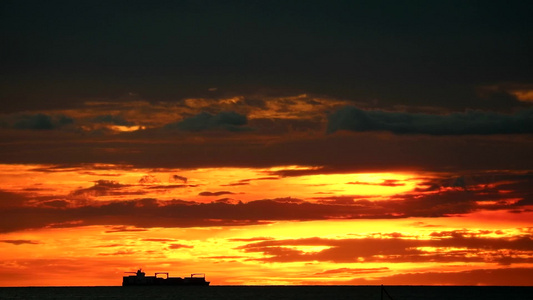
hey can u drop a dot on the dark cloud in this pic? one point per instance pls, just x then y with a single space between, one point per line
254 239
230 121
228 201
82 167
120 228
170 186
210 194
226 212
261 178
341 152
384 50
386 182
471 122
423 224
477 191
104 188
100 174
10 199
176 177
179 246
236 184
149 179
281 126
487 186
159 240
353 271
337 200
396 250
38 121
112 119
19 242
56 203
247 181
118 253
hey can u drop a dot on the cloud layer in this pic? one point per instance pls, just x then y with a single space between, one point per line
457 248
471 122
38 121
231 121
177 213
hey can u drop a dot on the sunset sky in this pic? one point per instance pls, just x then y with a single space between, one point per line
267 142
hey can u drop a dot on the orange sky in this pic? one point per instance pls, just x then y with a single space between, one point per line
87 225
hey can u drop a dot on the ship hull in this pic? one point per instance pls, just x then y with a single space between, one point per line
147 281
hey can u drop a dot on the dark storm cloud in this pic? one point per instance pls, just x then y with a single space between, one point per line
471 122
340 152
230 121
35 121
407 52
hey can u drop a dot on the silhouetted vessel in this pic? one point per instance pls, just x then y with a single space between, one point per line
140 279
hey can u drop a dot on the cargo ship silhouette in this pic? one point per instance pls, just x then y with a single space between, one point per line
162 278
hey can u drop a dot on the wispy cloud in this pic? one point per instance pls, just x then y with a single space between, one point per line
179 246
211 194
20 242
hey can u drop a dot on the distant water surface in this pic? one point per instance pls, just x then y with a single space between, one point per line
269 292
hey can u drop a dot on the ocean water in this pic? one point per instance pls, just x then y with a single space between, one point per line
270 292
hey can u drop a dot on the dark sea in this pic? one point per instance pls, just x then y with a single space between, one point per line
270 292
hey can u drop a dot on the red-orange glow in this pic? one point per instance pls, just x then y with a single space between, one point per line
279 242
200 184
